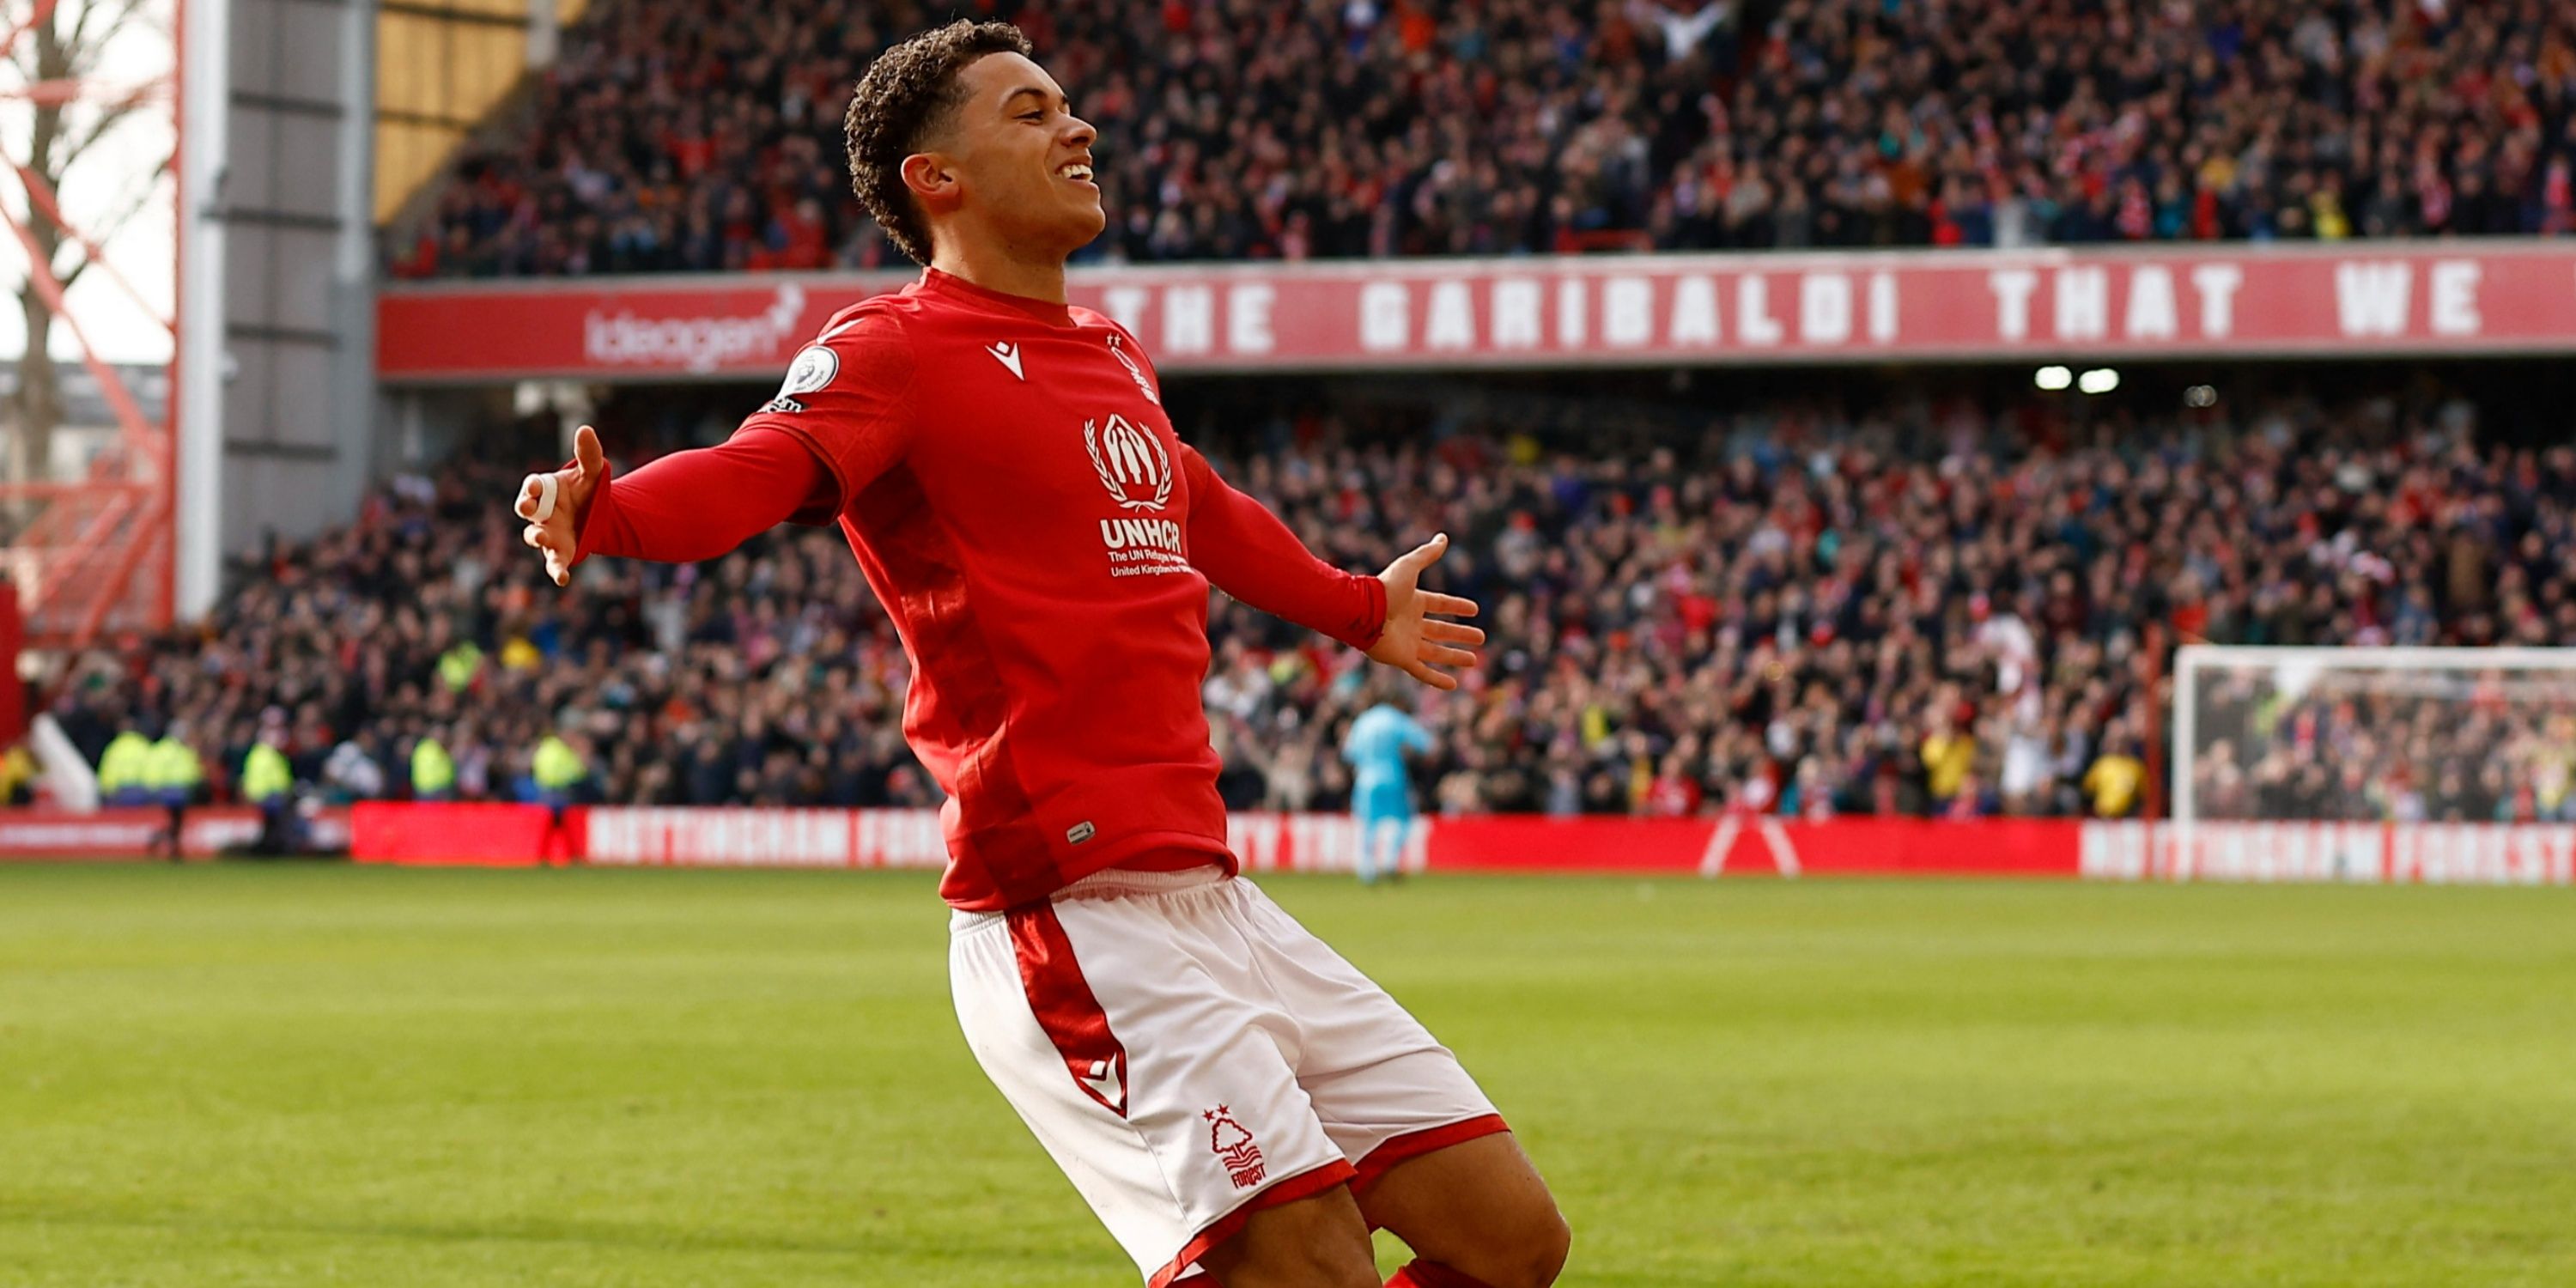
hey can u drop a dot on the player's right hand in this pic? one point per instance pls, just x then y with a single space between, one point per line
551 503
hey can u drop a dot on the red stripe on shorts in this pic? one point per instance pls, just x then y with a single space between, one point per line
1304 1185
1396 1149
1065 1006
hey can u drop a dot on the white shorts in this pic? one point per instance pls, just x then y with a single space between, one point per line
1189 1054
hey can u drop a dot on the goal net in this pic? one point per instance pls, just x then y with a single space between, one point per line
2373 764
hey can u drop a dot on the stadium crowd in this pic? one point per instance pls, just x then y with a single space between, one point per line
2400 746
1937 606
706 135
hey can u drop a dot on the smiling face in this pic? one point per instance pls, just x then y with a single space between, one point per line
1012 164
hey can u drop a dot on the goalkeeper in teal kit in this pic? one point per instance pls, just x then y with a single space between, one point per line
1377 746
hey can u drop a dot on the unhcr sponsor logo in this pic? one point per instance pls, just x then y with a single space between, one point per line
1143 534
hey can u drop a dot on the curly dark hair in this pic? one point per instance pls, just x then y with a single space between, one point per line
906 94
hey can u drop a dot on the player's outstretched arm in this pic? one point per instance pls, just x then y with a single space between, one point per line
1417 640
1241 547
684 507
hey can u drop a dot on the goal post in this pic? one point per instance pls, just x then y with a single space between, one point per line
2410 764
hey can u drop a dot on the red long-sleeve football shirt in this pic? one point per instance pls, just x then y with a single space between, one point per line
1016 498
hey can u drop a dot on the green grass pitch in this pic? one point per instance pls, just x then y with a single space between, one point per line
313 1075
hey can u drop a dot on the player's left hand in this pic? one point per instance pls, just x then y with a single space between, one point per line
552 502
1416 642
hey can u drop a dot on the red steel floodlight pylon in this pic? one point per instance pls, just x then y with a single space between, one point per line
96 552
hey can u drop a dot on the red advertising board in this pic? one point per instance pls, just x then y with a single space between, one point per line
1265 842
521 835
473 835
2233 299
116 834
1755 846
2370 853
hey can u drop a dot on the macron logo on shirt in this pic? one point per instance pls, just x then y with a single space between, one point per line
1009 356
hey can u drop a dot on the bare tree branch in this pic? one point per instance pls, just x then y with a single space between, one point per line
70 150
84 46
80 21
53 55
136 202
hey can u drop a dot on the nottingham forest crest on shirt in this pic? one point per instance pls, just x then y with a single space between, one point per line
1134 372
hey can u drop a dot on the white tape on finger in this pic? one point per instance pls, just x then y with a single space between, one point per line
547 486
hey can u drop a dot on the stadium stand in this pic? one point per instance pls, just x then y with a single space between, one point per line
2402 756
707 137
1931 605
